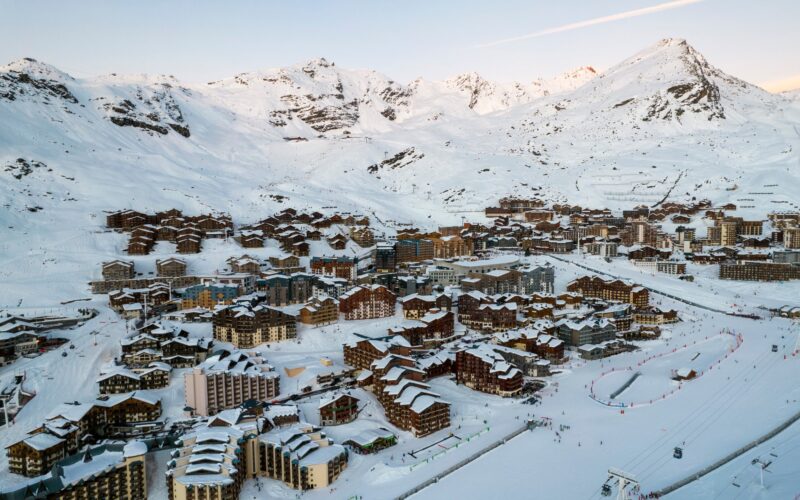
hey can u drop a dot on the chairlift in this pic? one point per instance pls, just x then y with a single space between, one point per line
606 490
677 452
774 347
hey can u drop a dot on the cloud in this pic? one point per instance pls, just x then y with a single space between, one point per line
592 22
788 83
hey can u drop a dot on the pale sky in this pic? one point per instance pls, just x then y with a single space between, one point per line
505 40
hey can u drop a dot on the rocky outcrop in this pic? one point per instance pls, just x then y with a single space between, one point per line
22 80
152 109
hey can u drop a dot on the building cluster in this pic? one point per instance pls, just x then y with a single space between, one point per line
69 426
29 335
187 232
214 459
389 371
293 230
154 344
112 470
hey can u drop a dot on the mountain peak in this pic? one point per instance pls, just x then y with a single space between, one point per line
671 42
319 62
35 69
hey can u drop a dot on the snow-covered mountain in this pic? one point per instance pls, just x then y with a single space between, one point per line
664 123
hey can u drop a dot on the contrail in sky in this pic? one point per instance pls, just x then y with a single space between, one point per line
598 20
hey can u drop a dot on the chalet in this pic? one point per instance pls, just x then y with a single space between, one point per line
171 267
244 265
154 376
338 409
338 242
117 470
648 252
118 270
251 239
412 406
362 236
301 248
478 311
188 244
655 316
287 264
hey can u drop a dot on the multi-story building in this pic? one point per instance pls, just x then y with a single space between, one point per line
211 463
107 471
208 296
320 311
338 409
367 302
413 250
791 237
227 379
118 270
244 265
447 247
464 267
478 311
759 271
482 369
282 290
608 289
441 276
329 287
63 431
433 328
302 456
337 267
661 266
171 267
606 249
361 354
154 376
385 258
589 331
493 282
416 306
245 325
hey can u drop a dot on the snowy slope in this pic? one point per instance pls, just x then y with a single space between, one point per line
426 152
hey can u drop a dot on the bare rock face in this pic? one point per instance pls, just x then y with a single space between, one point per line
28 77
697 94
151 108
402 159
